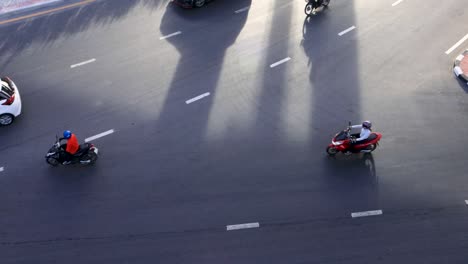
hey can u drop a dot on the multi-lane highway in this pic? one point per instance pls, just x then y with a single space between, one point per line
220 117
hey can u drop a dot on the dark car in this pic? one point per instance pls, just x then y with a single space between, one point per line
190 3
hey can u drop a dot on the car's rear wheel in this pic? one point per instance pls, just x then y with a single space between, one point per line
199 3
6 119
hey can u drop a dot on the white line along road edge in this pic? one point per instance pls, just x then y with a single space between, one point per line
346 31
366 213
242 226
170 35
280 62
82 63
103 134
197 98
457 44
242 10
397 2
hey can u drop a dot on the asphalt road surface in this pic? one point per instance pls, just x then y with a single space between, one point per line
177 175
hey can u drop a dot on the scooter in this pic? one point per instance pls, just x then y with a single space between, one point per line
313 5
86 154
342 143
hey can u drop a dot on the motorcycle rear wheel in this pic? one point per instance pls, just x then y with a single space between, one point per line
331 151
91 157
199 3
372 147
52 162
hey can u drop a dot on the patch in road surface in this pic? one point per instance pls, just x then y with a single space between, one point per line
103 134
242 226
280 62
366 213
346 30
457 44
197 98
171 35
82 63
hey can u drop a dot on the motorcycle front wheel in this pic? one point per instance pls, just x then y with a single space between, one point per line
309 9
331 151
52 162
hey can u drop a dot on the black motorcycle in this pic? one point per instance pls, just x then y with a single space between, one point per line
312 6
86 154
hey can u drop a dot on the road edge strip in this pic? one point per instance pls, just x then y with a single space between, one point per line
45 12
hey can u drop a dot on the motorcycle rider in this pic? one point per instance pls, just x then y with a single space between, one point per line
316 3
72 146
366 130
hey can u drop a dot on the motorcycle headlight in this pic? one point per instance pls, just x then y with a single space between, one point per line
336 143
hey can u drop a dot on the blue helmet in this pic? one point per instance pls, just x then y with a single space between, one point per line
67 134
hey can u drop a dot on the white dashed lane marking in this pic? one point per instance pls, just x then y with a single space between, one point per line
397 2
466 201
1 169
346 31
171 35
82 63
280 62
197 98
366 213
457 44
103 134
242 226
242 10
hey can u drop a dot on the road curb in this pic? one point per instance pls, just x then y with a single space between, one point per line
460 66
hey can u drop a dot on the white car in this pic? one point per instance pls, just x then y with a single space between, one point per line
10 101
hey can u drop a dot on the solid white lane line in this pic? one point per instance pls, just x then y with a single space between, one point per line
280 62
242 10
456 44
242 226
103 134
1 169
366 213
197 98
171 35
397 2
346 31
82 63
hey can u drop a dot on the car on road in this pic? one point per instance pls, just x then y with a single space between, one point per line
190 3
10 101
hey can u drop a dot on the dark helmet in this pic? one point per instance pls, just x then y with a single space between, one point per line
67 134
367 124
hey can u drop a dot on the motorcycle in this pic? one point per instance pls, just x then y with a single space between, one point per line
342 143
312 6
86 154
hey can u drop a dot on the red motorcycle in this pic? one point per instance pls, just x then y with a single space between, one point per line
342 143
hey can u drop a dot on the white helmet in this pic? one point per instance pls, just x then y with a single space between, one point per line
367 124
